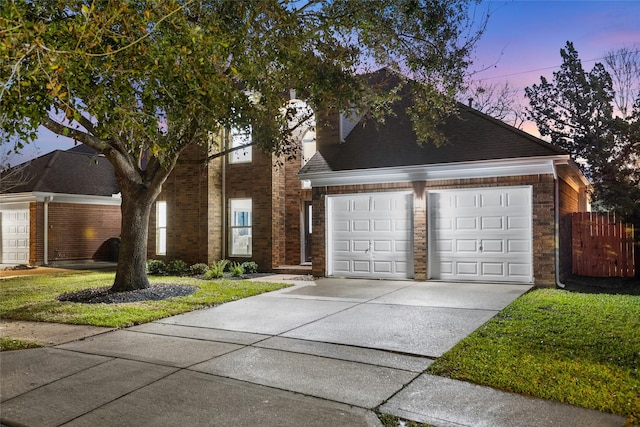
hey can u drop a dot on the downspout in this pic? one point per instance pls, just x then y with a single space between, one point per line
224 198
557 226
47 199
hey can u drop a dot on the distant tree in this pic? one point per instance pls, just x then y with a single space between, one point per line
11 175
624 66
499 101
576 110
142 81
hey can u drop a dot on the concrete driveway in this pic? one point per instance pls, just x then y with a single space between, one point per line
320 353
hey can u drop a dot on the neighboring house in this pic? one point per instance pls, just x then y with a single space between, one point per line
68 210
493 204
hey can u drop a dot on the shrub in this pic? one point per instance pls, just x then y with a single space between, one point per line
177 267
216 270
236 269
156 266
198 269
250 267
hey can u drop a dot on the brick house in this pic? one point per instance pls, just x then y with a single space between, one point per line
493 204
68 210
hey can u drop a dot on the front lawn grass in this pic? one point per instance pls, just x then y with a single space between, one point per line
34 298
7 344
580 349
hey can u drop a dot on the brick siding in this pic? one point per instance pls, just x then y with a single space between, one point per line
76 231
193 195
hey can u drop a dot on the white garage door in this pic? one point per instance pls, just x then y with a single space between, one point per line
15 234
481 234
370 235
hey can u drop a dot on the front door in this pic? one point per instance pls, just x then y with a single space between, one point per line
307 231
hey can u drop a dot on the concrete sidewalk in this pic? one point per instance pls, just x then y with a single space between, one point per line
320 354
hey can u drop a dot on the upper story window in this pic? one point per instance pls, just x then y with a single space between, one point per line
308 150
238 138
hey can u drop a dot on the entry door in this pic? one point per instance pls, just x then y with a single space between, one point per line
481 234
15 236
308 229
370 235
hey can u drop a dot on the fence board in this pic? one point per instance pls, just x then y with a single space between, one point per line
602 247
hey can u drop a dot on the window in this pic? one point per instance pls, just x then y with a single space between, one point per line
238 138
240 222
161 228
308 150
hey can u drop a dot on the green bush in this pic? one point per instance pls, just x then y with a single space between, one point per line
198 269
236 269
216 271
250 267
177 267
156 266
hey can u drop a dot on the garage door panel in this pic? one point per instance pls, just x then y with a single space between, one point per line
380 235
493 246
360 226
361 205
465 200
491 237
382 225
493 268
466 246
518 223
382 246
521 270
403 246
341 225
361 266
491 223
492 200
519 199
519 246
14 223
466 223
467 268
383 267
360 245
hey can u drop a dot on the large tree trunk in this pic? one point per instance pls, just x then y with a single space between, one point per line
131 273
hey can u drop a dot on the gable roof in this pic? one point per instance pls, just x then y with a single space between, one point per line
472 137
69 172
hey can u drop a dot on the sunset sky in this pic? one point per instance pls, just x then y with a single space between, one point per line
522 42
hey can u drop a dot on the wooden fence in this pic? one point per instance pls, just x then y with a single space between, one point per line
602 247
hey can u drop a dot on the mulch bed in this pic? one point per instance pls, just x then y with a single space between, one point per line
105 296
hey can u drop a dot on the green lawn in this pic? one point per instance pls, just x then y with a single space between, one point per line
34 298
581 349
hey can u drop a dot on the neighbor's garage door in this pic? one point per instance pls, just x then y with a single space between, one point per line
15 234
481 234
370 235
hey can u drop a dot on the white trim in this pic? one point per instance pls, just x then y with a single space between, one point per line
462 170
83 199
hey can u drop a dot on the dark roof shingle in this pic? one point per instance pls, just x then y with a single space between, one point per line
471 136
70 172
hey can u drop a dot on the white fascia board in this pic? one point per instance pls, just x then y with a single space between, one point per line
462 170
571 174
82 199
17 198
